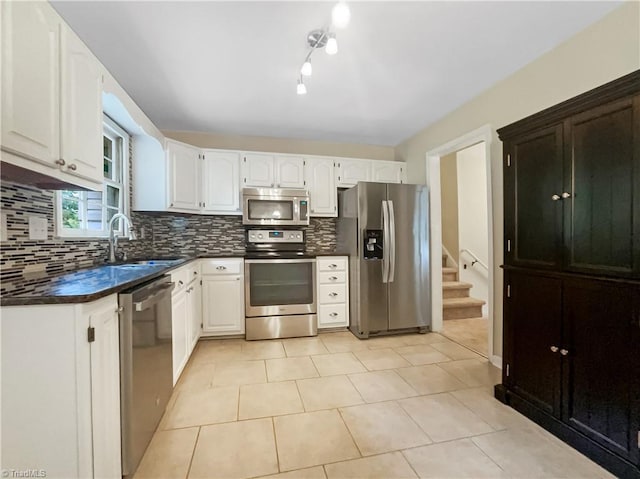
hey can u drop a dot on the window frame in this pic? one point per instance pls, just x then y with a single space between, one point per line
119 136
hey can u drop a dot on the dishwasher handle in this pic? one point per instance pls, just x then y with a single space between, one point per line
157 296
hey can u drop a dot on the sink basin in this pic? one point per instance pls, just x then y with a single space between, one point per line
153 262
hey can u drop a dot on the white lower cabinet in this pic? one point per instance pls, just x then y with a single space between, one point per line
222 297
333 291
185 314
60 392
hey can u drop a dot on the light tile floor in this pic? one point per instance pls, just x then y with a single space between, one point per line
339 407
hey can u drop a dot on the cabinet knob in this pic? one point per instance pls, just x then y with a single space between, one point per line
333 315
60 162
333 278
120 309
555 197
73 167
333 266
180 283
566 195
221 268
333 295
564 352
554 349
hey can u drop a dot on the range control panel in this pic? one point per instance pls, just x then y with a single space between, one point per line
275 236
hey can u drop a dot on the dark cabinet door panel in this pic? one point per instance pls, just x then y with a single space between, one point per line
533 217
600 370
599 214
534 311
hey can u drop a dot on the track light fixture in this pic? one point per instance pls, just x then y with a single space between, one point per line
324 38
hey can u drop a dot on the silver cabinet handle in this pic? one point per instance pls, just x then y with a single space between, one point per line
333 266
555 197
195 272
221 268
333 315
566 195
119 309
554 349
333 278
333 295
564 352
60 162
180 283
73 167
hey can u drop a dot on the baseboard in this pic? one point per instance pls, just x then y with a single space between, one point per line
496 361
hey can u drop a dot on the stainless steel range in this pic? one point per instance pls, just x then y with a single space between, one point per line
280 292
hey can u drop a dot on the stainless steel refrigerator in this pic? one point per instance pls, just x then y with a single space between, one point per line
384 228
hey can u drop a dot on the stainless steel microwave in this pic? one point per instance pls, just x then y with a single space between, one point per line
275 206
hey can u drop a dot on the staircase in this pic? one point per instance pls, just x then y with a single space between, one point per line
456 302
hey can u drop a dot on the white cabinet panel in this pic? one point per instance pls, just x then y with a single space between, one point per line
194 296
221 182
222 305
333 315
323 194
31 81
184 176
179 318
333 292
290 172
388 171
258 170
349 172
81 109
105 391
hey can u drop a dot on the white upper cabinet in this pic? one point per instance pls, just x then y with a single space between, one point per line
81 109
51 98
289 172
265 170
388 172
221 182
349 172
258 170
320 179
31 81
184 176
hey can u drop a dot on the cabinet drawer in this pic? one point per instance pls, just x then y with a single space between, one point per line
332 293
332 263
332 316
181 278
333 277
222 266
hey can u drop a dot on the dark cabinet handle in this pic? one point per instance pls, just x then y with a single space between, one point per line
555 197
554 349
566 195
564 352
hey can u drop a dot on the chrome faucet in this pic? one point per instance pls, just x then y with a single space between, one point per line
113 236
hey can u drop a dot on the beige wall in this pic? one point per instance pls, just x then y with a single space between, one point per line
603 52
449 196
282 145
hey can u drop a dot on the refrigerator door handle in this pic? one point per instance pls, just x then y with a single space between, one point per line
385 242
392 246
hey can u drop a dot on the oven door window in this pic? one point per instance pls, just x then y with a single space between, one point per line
273 284
270 210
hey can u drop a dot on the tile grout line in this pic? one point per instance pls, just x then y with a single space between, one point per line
275 442
350 434
193 453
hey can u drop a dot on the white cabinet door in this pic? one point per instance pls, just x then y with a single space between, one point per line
290 172
323 194
258 170
179 318
184 176
388 171
350 172
194 296
31 81
105 391
222 305
221 182
81 110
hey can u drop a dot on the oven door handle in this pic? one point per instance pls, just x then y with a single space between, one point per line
160 293
280 261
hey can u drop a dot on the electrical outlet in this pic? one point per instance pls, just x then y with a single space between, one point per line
37 228
3 227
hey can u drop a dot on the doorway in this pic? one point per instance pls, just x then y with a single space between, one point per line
465 247
471 154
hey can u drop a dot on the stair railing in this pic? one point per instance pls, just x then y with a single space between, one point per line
476 260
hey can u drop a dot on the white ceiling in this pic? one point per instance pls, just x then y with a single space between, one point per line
232 67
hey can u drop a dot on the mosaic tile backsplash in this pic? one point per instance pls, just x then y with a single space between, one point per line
161 234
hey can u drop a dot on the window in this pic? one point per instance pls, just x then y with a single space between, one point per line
87 213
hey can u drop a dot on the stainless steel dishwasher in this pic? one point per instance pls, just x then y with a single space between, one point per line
146 369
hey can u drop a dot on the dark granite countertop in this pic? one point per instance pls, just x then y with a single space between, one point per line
86 285
99 281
